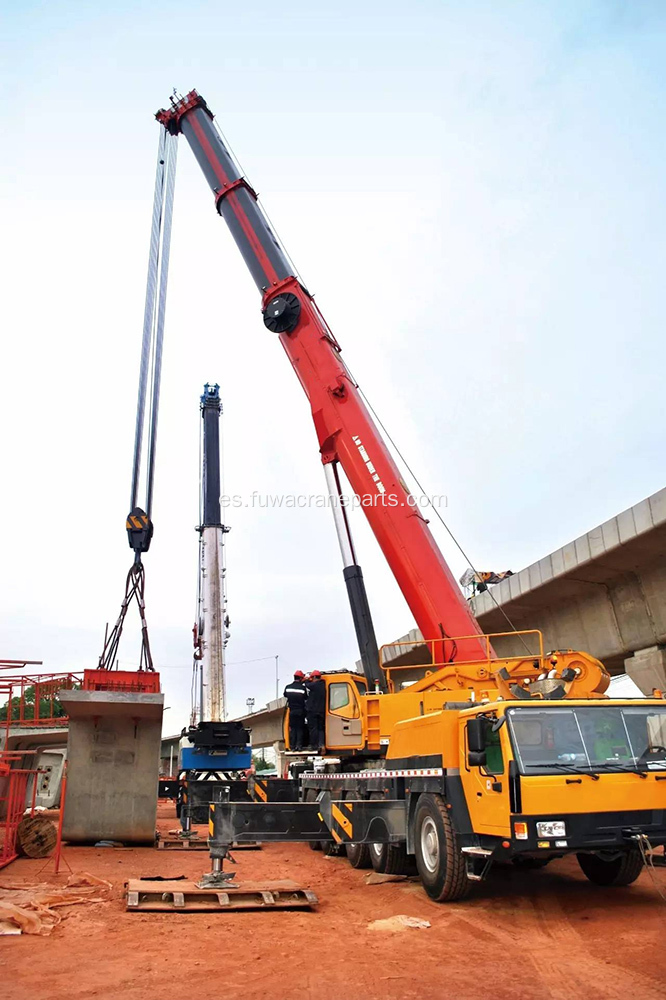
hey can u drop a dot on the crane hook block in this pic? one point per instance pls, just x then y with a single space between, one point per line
282 313
139 530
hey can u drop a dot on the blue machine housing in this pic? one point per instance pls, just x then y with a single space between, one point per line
234 759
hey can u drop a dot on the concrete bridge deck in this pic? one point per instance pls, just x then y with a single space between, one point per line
605 592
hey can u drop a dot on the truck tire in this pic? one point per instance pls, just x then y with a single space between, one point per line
390 859
439 860
332 850
617 871
359 855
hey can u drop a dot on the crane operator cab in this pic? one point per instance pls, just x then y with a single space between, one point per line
343 719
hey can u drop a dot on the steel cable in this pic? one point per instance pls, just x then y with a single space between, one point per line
166 223
148 314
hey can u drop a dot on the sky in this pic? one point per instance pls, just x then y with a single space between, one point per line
474 192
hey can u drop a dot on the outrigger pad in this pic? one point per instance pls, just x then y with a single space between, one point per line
177 896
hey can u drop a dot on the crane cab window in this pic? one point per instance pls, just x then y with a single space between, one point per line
338 696
343 700
494 757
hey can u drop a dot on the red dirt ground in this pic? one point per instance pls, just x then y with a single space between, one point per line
545 935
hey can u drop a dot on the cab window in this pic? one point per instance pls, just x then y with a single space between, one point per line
494 758
338 696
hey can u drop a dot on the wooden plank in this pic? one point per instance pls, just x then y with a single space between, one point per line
181 895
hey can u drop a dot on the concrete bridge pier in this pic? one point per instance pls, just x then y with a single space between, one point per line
647 668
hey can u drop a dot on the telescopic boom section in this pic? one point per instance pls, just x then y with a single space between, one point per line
345 429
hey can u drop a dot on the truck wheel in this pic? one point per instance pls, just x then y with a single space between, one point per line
359 855
440 862
390 859
332 850
617 871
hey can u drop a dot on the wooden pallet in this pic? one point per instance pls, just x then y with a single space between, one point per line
199 844
180 896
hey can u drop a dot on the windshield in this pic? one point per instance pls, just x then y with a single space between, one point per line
605 737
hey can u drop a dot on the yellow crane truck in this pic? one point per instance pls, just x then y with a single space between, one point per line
474 758
519 759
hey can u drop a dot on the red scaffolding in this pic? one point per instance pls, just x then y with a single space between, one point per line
13 791
32 699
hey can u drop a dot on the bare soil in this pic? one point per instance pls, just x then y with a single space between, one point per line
544 935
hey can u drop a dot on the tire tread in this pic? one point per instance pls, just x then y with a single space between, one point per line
456 885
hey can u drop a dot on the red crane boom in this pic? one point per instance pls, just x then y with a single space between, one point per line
345 429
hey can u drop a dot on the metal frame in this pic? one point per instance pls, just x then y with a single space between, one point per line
342 821
13 790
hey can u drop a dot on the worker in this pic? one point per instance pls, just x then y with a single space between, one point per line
296 694
315 707
309 735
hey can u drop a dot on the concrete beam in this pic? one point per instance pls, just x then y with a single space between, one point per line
113 753
266 726
112 704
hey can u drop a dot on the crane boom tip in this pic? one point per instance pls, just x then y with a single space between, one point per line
180 106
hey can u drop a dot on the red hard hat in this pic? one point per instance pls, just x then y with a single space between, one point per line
299 673
316 673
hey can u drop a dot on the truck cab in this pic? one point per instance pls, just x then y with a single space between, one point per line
552 778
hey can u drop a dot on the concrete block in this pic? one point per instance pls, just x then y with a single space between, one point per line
647 669
557 561
582 547
610 533
113 751
569 556
596 542
626 525
480 604
546 569
502 594
642 516
658 507
653 584
534 574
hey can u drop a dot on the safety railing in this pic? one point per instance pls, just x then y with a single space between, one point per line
431 655
13 793
32 699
